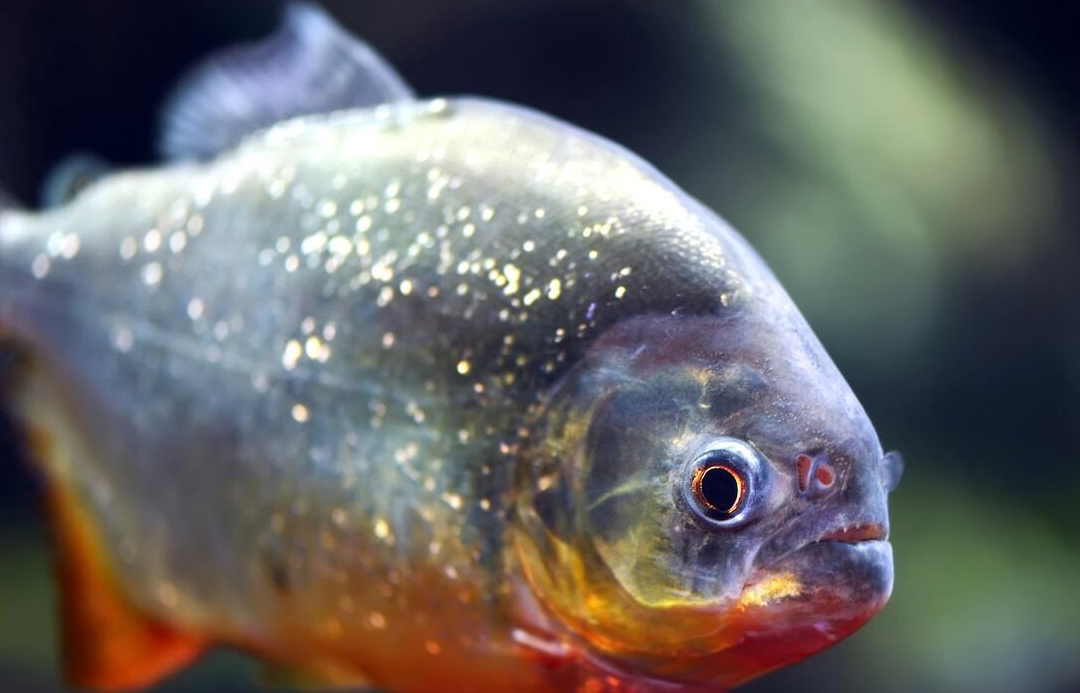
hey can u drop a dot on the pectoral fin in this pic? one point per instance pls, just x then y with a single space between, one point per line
106 643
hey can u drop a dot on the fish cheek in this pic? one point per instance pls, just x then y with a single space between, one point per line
641 446
582 473
627 487
641 439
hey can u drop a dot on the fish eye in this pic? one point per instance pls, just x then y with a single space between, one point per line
719 488
721 480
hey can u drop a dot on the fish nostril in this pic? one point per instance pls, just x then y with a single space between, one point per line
804 464
825 475
815 474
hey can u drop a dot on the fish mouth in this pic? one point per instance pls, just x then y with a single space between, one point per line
854 534
849 565
849 533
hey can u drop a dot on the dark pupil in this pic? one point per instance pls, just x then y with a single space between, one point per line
720 489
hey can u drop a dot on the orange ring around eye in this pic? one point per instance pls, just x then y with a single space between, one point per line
699 479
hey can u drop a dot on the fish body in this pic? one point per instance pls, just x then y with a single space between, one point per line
434 391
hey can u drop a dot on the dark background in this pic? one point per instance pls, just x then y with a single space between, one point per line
908 168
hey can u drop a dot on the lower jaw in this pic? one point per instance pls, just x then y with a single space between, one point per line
845 576
758 654
858 574
841 586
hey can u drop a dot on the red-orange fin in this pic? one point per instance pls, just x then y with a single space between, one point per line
107 644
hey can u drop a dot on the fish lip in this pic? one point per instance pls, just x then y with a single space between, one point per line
854 534
851 532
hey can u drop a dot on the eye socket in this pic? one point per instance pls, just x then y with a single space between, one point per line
722 482
720 489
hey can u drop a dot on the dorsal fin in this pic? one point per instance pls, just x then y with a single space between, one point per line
70 177
310 65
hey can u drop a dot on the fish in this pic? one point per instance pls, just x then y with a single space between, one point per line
424 393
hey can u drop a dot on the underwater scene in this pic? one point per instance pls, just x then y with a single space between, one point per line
411 346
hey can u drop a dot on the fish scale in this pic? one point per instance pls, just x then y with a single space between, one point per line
267 368
332 396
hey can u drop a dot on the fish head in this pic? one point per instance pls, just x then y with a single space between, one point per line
706 499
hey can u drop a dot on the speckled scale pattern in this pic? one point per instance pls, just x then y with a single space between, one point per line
351 316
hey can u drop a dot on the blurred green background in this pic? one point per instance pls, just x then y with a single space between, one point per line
907 167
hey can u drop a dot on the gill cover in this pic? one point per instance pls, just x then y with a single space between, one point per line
624 537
